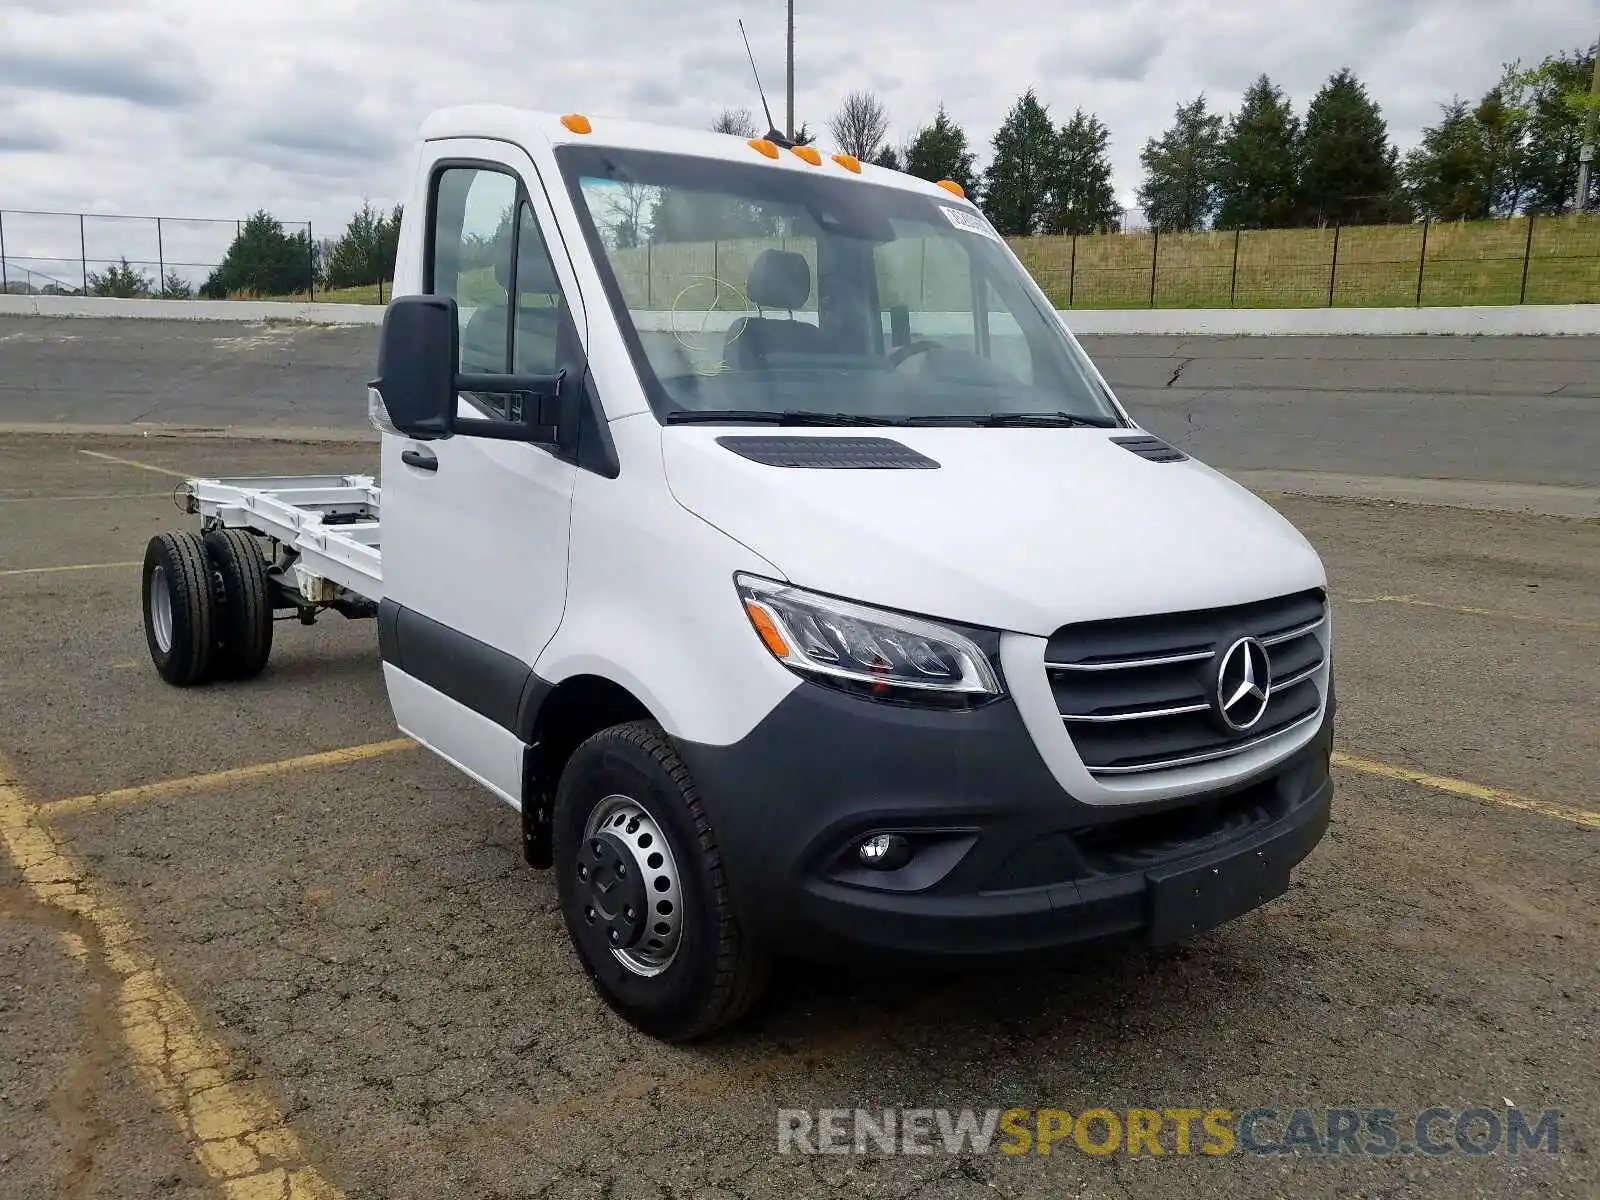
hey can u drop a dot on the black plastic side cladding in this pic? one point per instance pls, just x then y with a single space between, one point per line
831 453
474 674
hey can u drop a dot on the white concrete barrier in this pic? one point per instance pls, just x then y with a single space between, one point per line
1530 320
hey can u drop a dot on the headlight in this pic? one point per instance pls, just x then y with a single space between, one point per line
869 651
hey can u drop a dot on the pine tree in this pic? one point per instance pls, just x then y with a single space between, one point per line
1016 187
1179 192
1082 199
1349 171
1257 174
1447 173
939 151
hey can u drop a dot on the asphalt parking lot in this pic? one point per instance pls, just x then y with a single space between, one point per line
256 946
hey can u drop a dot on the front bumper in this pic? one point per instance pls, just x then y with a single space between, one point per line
1005 862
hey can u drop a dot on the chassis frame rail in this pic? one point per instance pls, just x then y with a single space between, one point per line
326 527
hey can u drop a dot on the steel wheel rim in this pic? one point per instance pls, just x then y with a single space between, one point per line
622 833
161 609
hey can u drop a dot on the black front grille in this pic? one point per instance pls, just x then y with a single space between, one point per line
1138 694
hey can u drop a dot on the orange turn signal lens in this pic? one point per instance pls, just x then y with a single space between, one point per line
809 153
954 188
767 628
766 147
577 122
849 162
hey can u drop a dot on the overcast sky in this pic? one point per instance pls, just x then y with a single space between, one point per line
215 108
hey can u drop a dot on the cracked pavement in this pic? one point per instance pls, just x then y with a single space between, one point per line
366 951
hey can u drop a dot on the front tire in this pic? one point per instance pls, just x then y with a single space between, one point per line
642 890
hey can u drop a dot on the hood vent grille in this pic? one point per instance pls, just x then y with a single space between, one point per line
1152 448
834 453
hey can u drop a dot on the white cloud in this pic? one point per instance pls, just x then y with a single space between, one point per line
304 107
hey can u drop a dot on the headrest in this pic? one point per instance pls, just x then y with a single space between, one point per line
780 279
533 272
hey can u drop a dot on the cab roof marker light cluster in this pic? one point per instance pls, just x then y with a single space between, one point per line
764 146
577 123
807 153
849 162
954 188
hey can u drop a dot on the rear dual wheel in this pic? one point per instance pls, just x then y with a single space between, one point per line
207 606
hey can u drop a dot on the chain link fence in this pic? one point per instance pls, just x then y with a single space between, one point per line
46 253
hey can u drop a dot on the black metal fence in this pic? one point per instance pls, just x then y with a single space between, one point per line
1518 260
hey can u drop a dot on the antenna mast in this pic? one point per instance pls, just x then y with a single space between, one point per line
772 130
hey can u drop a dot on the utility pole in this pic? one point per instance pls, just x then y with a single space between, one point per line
789 133
1586 154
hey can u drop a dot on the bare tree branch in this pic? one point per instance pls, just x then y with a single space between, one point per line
860 125
736 121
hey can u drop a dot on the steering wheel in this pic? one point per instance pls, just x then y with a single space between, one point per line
919 346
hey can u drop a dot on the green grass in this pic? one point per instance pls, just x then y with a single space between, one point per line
1466 263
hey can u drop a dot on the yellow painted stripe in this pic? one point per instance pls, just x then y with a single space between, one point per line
1469 610
74 567
186 784
133 462
1476 791
234 1131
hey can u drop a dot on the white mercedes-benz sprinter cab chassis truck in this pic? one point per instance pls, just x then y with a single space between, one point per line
751 523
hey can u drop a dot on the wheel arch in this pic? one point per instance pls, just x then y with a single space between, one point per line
568 713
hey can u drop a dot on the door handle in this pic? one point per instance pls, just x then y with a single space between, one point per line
422 460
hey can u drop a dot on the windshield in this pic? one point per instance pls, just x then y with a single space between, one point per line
748 292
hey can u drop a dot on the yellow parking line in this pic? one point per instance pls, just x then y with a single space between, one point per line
234 1131
74 567
1476 791
1419 602
185 784
133 462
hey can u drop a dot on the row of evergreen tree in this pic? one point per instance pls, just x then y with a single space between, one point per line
1261 167
1514 150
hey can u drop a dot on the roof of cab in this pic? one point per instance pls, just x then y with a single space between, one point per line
517 125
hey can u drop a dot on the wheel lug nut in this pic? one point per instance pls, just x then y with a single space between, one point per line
615 937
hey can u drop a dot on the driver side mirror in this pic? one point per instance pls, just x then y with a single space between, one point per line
417 389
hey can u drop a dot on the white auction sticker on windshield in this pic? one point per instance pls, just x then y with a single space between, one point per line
963 218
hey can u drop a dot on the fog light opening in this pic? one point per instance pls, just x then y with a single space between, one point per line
884 852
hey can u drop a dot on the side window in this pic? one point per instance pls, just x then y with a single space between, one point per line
473 241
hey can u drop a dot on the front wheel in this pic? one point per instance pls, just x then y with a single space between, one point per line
642 889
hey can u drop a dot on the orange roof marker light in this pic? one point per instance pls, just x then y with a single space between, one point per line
809 153
764 146
954 188
849 162
577 122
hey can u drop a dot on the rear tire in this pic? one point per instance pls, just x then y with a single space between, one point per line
676 971
180 611
244 625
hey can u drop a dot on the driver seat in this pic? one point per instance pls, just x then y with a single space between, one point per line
778 279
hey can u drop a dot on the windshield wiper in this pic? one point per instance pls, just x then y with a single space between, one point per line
755 416
1023 418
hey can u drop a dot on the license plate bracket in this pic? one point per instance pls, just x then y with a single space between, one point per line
1186 901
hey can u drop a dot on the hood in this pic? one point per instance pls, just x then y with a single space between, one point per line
1017 529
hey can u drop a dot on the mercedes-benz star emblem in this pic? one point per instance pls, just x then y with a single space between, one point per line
1244 682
